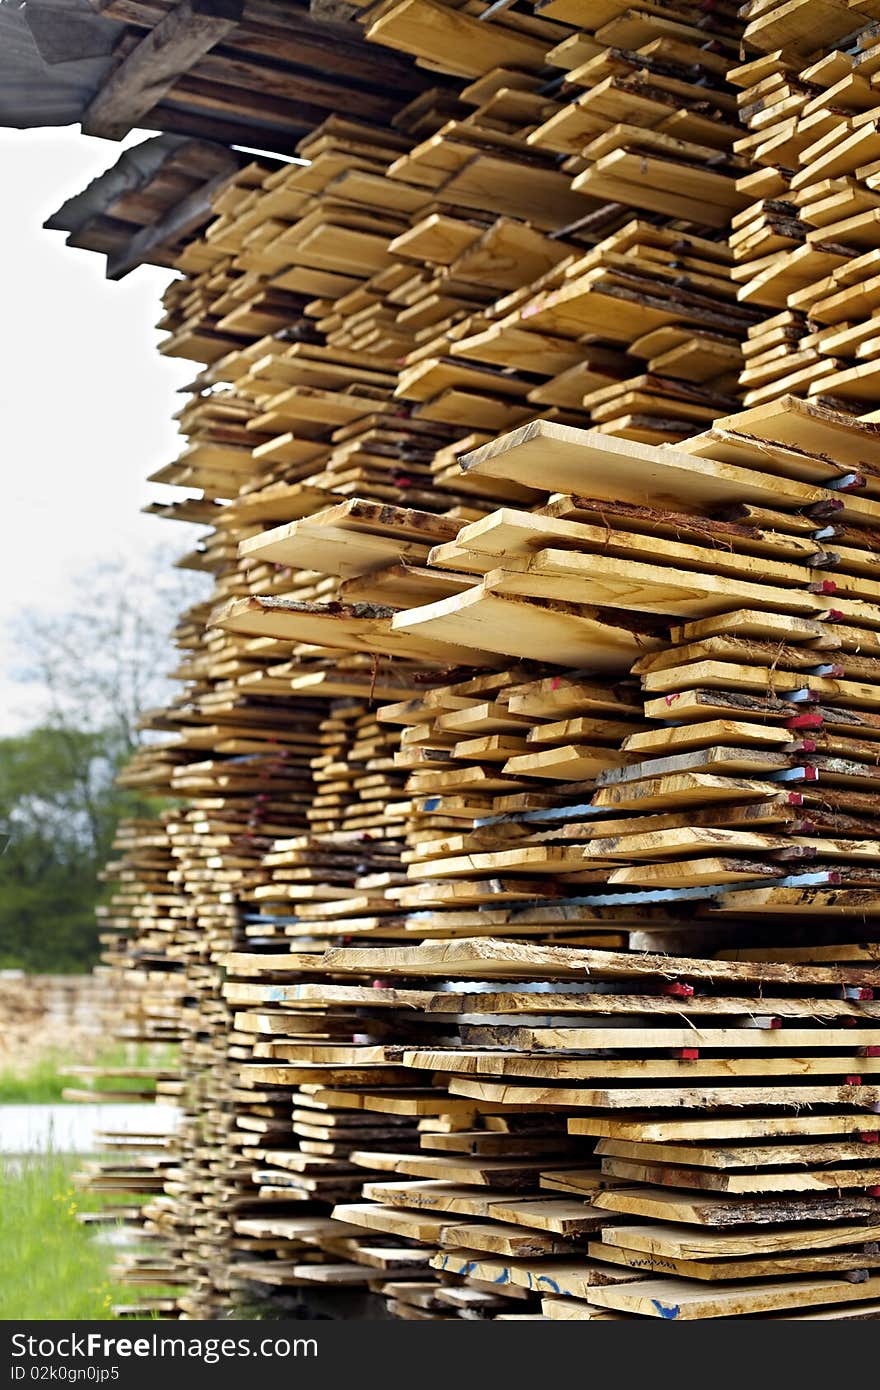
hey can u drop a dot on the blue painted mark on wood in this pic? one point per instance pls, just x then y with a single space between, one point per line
551 1283
672 1311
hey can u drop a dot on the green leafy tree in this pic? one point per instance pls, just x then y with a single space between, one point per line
59 807
91 673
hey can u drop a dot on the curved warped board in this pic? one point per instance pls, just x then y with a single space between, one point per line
356 627
696 1097
552 1027
641 1126
458 1061
760 1267
564 634
473 958
562 458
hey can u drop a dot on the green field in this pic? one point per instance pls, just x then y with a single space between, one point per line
44 1082
56 1267
41 1084
60 1271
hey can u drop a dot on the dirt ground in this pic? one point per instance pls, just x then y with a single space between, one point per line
44 1015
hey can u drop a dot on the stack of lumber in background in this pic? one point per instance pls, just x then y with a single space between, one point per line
428 703
147 995
806 248
640 326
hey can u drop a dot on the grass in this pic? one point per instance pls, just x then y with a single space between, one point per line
43 1083
60 1270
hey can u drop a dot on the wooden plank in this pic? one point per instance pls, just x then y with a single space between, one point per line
559 458
676 1298
151 69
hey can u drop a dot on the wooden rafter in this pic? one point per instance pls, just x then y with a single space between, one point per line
149 72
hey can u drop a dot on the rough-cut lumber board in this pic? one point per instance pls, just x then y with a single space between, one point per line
735 1156
476 959
683 1097
707 1127
572 1277
846 1263
560 633
788 1180
631 585
723 1212
678 1298
809 426
641 1037
560 1068
689 1243
358 627
560 458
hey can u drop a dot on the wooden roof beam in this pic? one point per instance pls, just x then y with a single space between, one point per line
180 221
163 56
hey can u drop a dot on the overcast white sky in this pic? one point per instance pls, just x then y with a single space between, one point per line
85 399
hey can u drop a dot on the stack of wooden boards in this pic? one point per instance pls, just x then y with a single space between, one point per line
479 735
150 204
643 331
806 248
694 855
246 73
147 996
